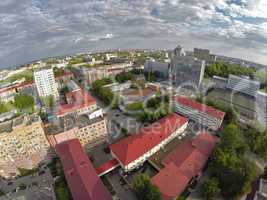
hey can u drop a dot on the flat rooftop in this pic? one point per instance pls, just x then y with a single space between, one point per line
8 126
69 122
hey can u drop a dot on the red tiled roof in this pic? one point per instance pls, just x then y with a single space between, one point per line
199 106
81 99
80 174
107 166
131 148
189 159
170 181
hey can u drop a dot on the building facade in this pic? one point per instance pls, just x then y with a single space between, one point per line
45 83
89 129
186 70
204 54
243 85
200 113
23 144
159 69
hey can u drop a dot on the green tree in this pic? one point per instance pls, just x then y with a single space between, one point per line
233 140
223 69
24 102
257 141
144 188
3 108
124 76
211 188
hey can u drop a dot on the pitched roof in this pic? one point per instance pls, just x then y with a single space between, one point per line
129 149
170 181
199 107
107 166
82 179
187 160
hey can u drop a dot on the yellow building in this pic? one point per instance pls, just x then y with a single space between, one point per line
91 130
23 144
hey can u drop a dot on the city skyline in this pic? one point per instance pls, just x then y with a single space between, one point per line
235 28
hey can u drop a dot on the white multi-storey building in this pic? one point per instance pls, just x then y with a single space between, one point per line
200 113
45 82
243 85
133 151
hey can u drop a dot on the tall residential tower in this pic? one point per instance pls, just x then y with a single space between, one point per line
45 82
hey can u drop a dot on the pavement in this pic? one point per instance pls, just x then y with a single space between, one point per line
99 156
123 191
38 186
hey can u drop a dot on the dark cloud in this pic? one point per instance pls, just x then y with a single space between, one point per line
33 29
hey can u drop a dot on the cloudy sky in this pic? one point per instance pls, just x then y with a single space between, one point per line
33 29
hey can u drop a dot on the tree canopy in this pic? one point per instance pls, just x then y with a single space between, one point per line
24 102
104 93
124 76
145 190
223 69
211 188
234 173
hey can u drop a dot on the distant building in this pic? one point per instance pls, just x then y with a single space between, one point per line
45 82
90 129
8 94
159 69
23 144
243 85
200 113
204 54
133 151
184 165
80 174
186 69
79 102
90 75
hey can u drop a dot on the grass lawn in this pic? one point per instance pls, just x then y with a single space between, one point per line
134 106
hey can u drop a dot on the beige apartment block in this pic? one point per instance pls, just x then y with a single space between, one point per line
23 144
90 131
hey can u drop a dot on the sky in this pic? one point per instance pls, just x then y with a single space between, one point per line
34 29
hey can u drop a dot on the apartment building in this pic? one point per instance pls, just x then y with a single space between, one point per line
243 85
159 69
90 75
133 151
90 129
23 144
204 54
79 102
200 113
45 82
